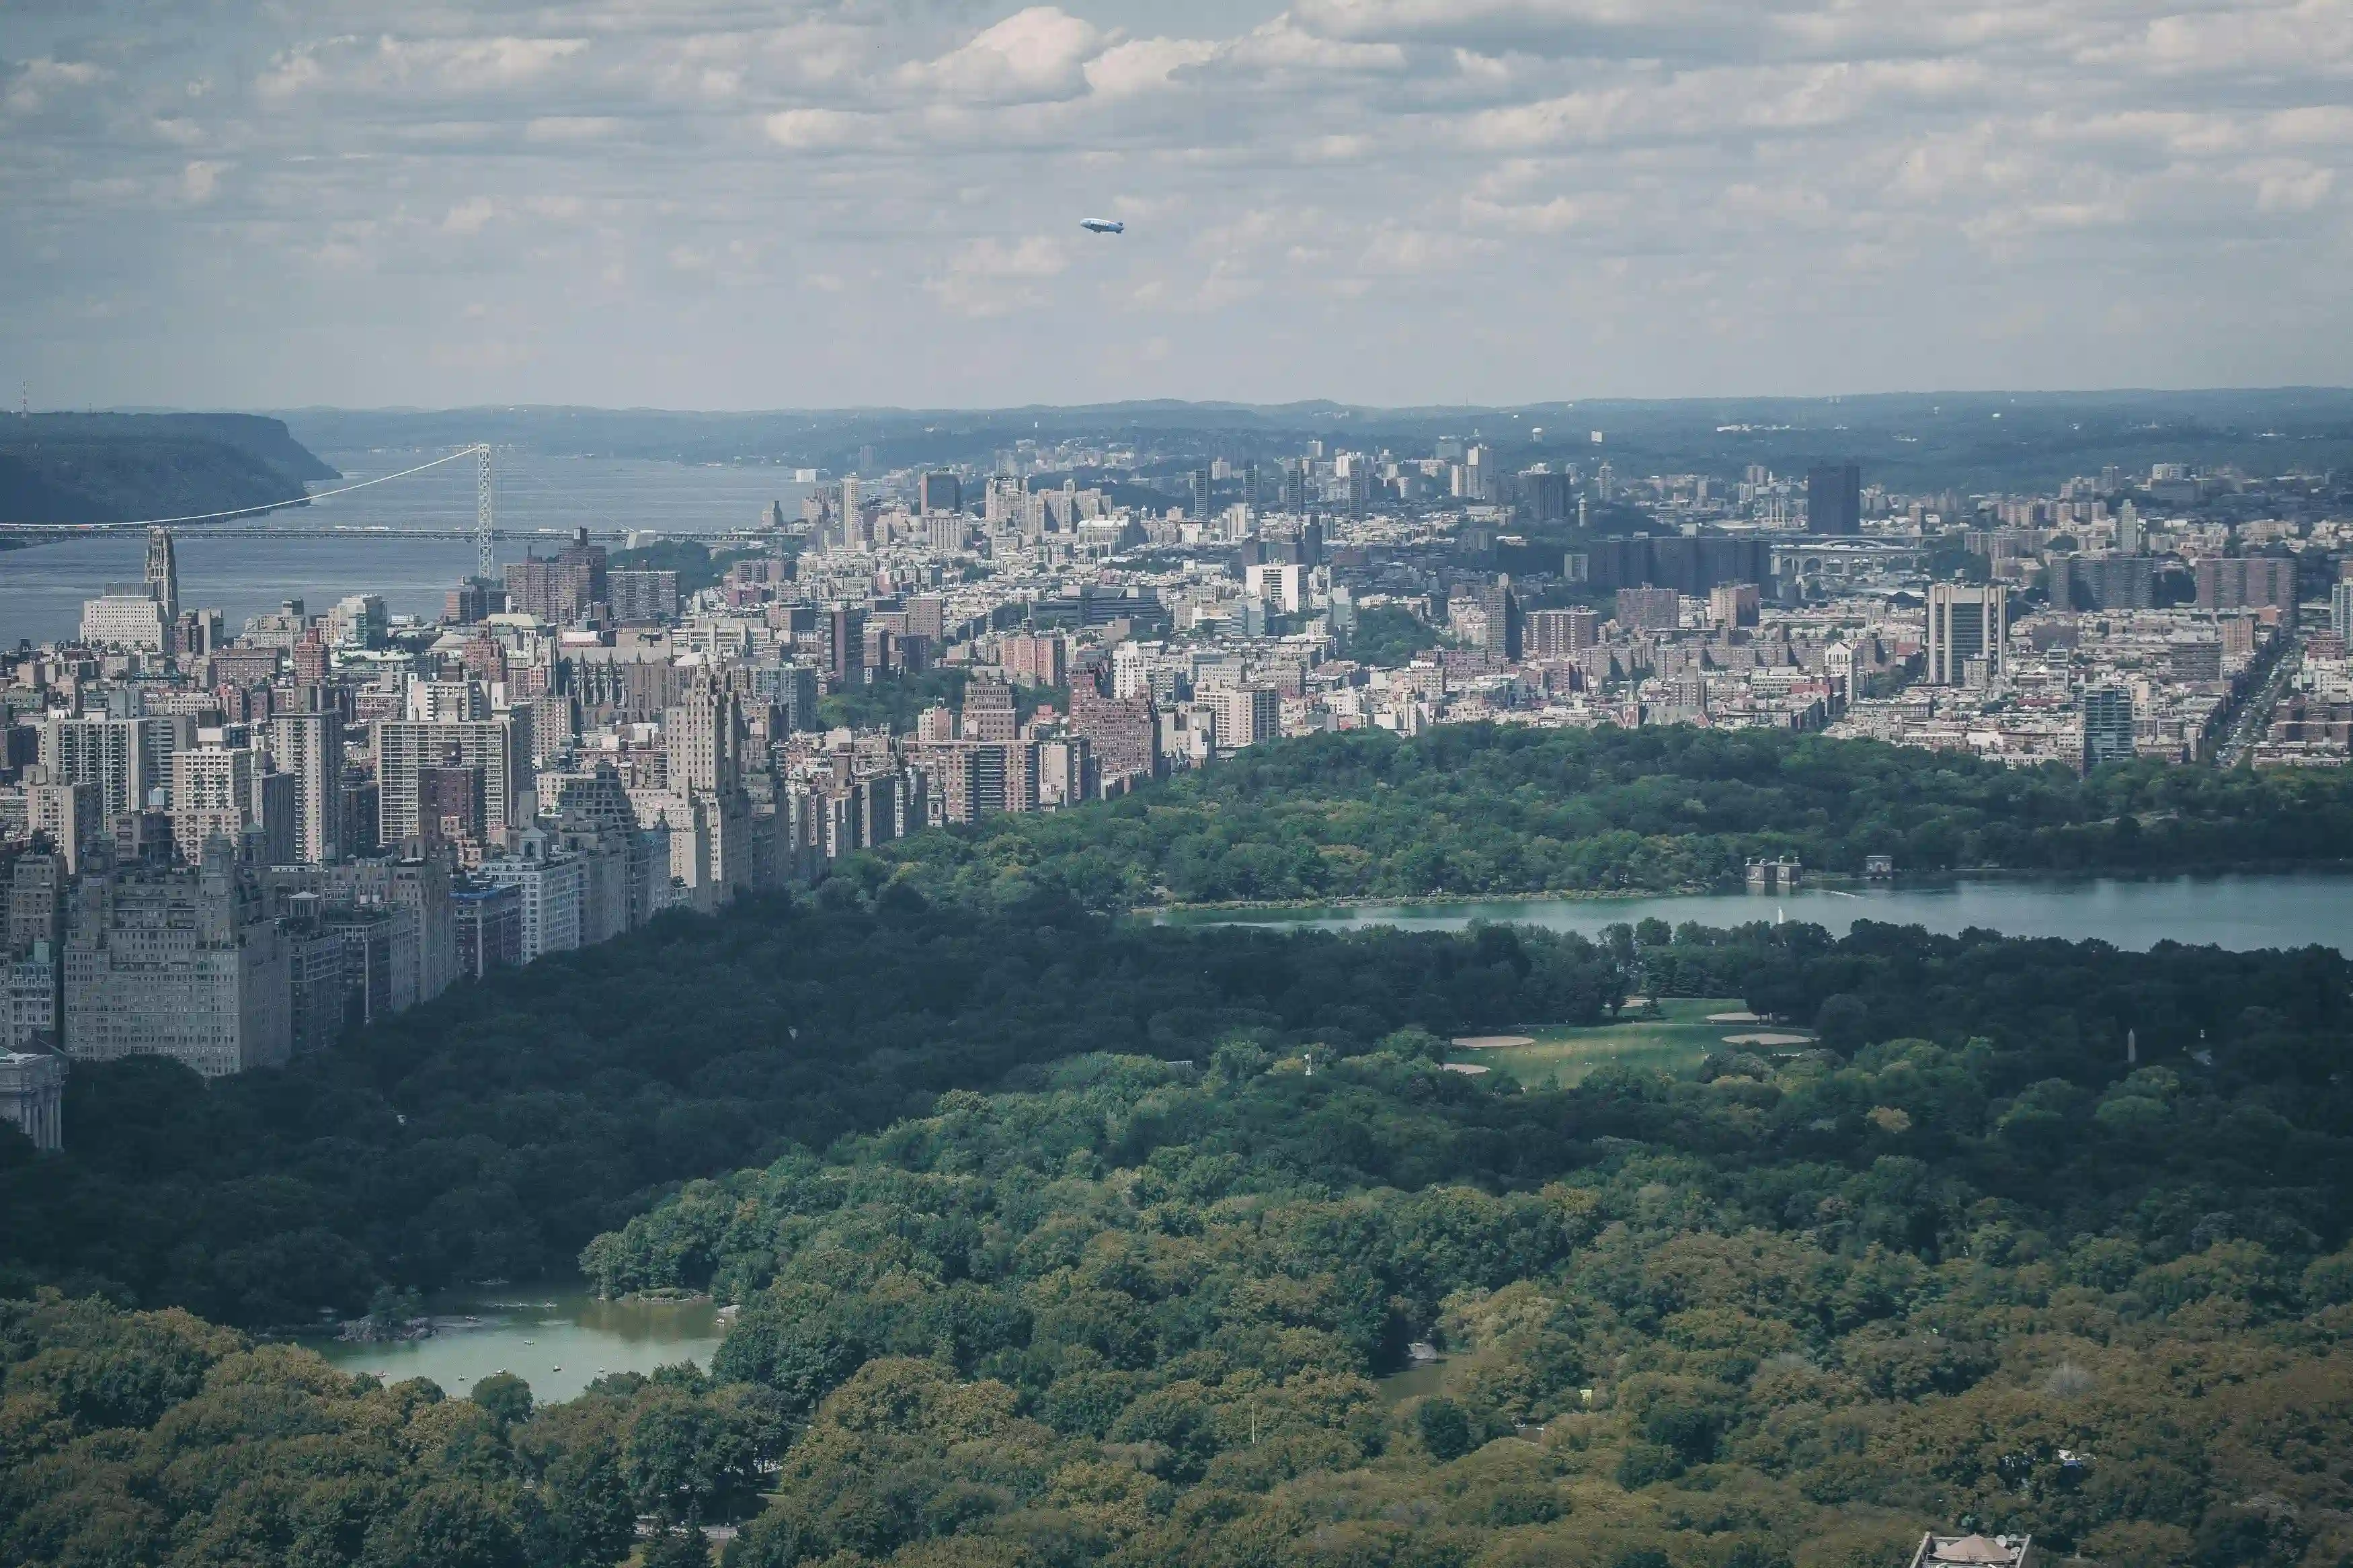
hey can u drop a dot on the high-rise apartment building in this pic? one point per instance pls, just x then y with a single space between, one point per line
501 747
308 748
704 736
183 964
216 790
126 759
1557 633
643 597
2108 725
1505 626
2248 582
940 492
1734 604
553 890
1124 731
1834 499
988 712
2341 610
1040 661
1245 714
1648 609
1967 622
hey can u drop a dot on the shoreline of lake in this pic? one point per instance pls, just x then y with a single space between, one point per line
2238 909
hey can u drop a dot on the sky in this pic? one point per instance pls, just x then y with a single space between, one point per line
713 204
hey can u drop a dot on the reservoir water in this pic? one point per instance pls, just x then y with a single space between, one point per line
42 586
2240 911
558 1339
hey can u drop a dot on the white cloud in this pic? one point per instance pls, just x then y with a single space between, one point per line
1035 56
40 82
823 130
990 278
456 67
198 181
2289 186
1144 64
1470 177
469 216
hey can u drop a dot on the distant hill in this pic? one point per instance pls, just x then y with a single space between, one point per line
1971 441
118 467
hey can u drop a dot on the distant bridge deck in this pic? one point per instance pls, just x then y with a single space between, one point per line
57 531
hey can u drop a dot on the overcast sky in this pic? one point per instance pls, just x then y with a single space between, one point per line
713 204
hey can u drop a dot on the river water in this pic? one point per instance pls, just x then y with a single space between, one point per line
557 1339
42 587
2239 910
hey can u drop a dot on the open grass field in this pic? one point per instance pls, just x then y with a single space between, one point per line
1675 1042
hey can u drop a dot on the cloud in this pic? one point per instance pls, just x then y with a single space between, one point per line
455 67
906 176
1144 64
469 216
990 278
38 83
1036 56
2289 186
198 181
824 130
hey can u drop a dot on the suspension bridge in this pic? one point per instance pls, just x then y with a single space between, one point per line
484 532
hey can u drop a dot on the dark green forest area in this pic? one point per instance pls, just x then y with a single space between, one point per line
1135 1312
1061 1239
490 1135
1481 809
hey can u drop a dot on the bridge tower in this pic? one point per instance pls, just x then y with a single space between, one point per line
482 518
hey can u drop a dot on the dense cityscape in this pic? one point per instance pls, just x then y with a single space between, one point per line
1072 784
335 814
329 815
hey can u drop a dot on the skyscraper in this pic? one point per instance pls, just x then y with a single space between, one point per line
164 573
1967 622
941 492
501 747
1834 499
703 735
310 748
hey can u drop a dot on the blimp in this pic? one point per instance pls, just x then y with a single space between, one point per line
1102 225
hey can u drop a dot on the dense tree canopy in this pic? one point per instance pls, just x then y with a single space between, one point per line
152 1437
489 1135
1138 1314
1060 1239
1481 809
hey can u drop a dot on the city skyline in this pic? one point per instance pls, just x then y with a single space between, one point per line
1504 202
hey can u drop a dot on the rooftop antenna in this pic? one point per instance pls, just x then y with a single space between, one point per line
482 519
